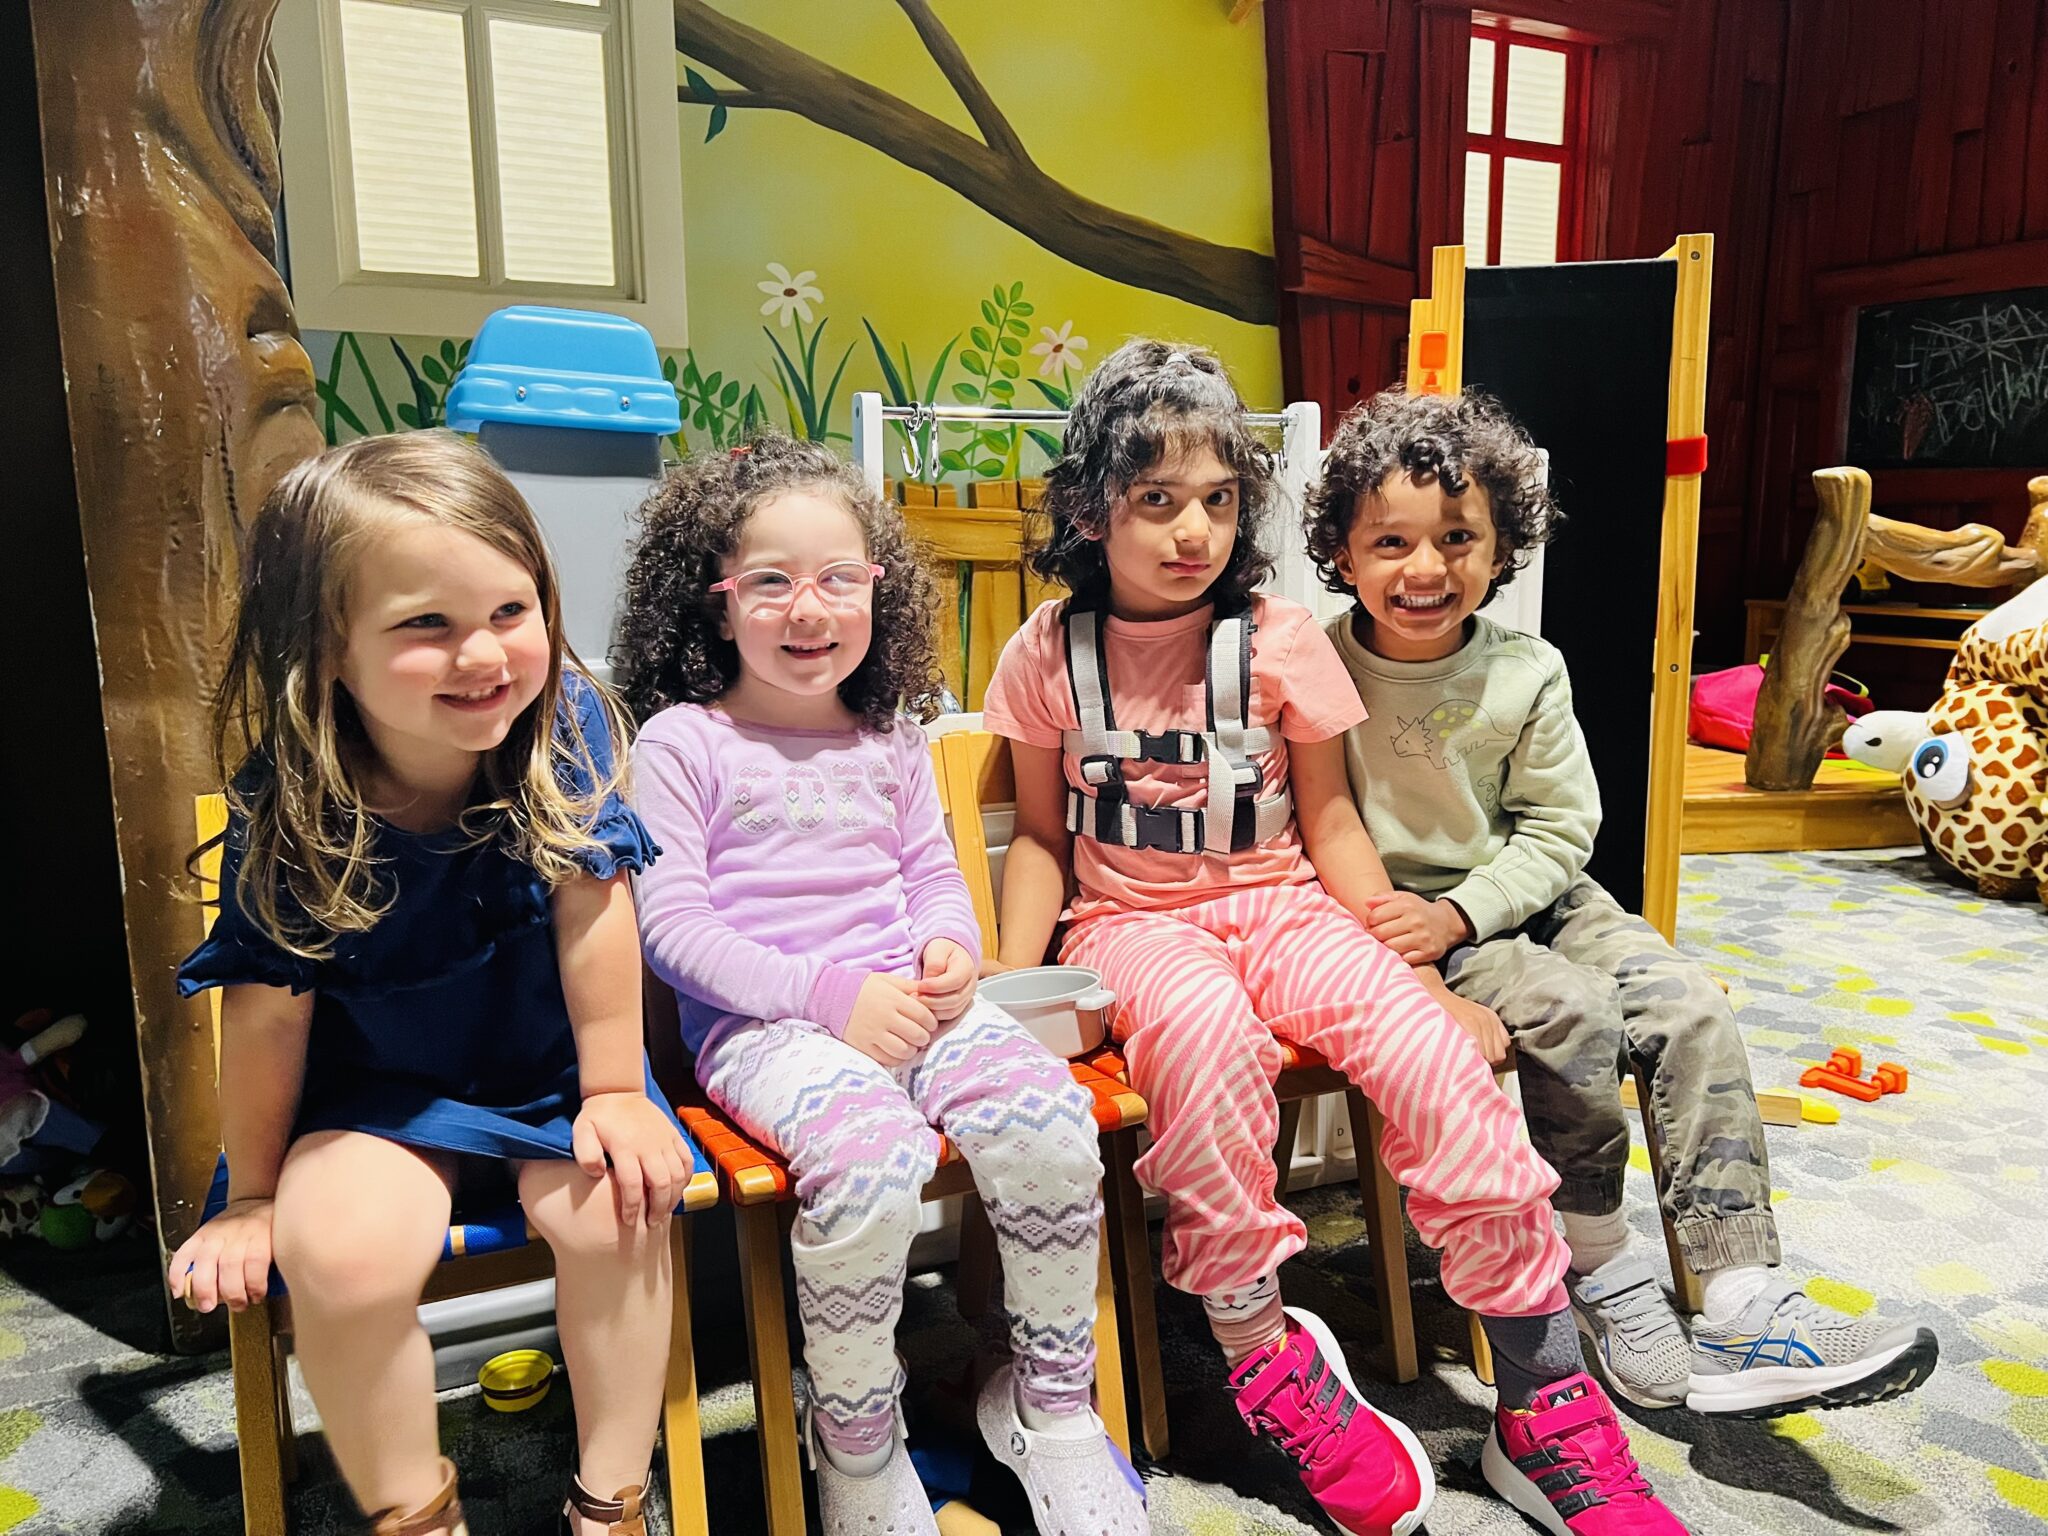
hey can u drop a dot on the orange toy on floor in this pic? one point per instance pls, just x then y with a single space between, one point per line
1843 1073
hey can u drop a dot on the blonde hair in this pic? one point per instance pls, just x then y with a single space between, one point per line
283 712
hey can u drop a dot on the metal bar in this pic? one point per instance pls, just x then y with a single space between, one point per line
1020 413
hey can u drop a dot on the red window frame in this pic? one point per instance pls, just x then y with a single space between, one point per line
1497 147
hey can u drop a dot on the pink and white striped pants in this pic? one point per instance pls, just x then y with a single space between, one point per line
1201 993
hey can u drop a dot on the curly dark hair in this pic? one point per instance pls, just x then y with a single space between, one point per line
669 650
1460 440
1147 403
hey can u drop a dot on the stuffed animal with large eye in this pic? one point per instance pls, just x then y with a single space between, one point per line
1975 766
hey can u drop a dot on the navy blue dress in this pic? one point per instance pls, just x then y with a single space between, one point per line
443 1026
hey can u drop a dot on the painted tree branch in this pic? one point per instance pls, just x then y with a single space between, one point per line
1229 279
988 117
1795 722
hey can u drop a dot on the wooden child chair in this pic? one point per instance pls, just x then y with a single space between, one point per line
484 1251
757 1184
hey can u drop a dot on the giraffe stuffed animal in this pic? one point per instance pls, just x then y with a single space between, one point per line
1975 766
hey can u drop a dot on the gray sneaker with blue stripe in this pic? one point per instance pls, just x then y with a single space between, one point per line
1786 1352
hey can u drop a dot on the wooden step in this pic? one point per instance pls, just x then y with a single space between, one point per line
1849 806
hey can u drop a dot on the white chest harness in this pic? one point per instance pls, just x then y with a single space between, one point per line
1232 817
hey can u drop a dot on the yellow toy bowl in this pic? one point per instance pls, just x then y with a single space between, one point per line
515 1381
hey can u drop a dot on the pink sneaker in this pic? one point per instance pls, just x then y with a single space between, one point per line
1368 1471
1566 1465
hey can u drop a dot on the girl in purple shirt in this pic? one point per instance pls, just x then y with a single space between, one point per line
818 934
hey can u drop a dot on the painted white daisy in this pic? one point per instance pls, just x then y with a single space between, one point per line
788 295
1058 349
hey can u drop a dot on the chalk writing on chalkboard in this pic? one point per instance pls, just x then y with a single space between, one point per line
1955 383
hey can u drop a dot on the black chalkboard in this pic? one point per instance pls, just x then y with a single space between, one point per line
1581 354
1959 383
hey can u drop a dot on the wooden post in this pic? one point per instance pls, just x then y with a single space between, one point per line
189 395
1795 724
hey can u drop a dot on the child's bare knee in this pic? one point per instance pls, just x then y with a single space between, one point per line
351 1260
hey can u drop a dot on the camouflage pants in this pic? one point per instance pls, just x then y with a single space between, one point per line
1583 984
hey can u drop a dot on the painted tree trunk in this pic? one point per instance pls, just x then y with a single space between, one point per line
189 395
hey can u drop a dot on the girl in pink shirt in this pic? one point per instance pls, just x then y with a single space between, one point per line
1178 744
818 933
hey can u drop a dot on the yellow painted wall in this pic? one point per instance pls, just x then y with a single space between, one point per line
1154 107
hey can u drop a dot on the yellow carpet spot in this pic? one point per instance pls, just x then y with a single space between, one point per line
2004 1047
1736 950
1840 1295
2031 1420
1797 1427
1981 1020
15 1507
1879 1164
1861 1477
2018 1490
2018 1379
1954 1279
1780 1196
2005 1334
1639 1159
1793 865
1813 879
12 1345
1655 1452
1888 1007
1777 1039
1969 906
16 1425
1910 1172
1854 984
1336 1229
2019 1174
1847 906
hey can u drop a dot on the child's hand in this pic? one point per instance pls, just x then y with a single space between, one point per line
1483 1025
947 986
226 1260
649 1163
889 1022
1414 927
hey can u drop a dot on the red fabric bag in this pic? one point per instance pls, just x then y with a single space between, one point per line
1724 705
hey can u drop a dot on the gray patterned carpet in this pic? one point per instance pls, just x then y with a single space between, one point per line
1932 1202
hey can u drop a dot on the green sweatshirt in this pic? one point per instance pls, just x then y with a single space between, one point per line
1471 774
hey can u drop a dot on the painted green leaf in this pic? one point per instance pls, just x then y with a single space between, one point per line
448 351
1017 290
668 369
989 312
1002 297
408 413
981 339
1010 346
699 86
430 365
1047 443
898 391
1022 308
952 460
967 394
719 115
989 468
702 419
1002 390
730 395
1018 327
1059 398
331 398
972 362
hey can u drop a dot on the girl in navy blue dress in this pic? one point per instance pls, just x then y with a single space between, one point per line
427 939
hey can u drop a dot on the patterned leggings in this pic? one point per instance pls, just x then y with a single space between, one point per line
1203 990
859 1139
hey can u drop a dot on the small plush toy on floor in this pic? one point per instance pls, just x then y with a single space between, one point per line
1975 766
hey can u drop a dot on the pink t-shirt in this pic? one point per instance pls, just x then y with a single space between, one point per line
1300 692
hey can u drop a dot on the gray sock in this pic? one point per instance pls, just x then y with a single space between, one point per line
1529 1353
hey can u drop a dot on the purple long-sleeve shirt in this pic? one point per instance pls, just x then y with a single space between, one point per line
794 865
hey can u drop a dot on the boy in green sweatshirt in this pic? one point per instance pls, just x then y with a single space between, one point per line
1472 779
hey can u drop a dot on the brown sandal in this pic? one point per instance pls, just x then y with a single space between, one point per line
622 1513
439 1516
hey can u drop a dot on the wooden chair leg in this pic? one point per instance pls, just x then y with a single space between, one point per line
1283 1148
1130 1252
782 1481
1685 1284
1109 1359
980 1262
681 1432
287 1437
254 1364
1389 1238
1482 1349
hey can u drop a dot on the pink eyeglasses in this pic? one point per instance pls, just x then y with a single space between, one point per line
846 585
